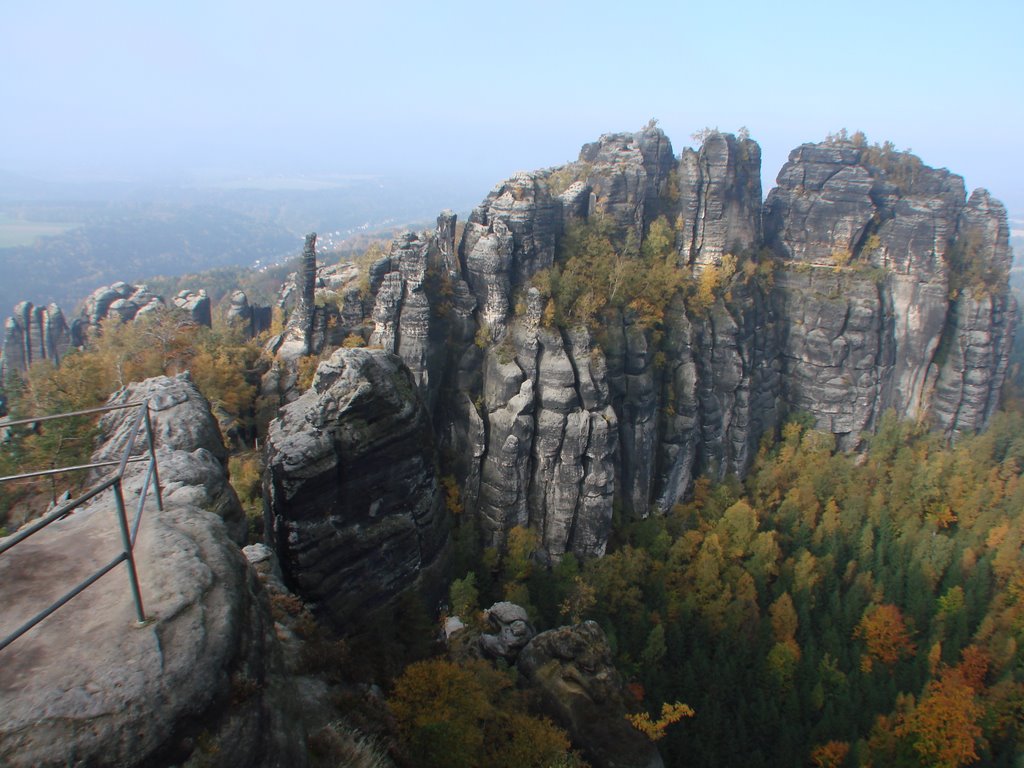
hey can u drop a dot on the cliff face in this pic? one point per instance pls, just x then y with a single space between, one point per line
886 266
867 281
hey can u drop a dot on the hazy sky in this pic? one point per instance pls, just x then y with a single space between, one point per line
478 90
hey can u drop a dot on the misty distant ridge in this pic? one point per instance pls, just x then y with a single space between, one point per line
93 234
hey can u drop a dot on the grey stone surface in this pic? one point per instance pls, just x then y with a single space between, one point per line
719 199
296 339
196 304
876 236
510 631
202 681
33 334
355 513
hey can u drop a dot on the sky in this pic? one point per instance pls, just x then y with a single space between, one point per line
474 91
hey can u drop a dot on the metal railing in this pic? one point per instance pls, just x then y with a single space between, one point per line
128 534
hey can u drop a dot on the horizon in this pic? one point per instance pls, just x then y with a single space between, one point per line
121 91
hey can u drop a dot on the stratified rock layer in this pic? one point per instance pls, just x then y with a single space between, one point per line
354 509
882 259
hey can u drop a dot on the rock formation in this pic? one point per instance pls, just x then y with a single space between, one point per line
42 333
250 318
510 631
325 307
886 266
201 681
355 512
571 670
720 199
196 304
33 334
296 340
867 281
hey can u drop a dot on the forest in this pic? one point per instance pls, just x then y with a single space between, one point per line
833 609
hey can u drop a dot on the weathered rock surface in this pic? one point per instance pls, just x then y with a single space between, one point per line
509 236
196 459
252 319
510 631
201 682
719 199
355 512
33 334
628 176
196 304
866 305
571 671
880 243
296 340
406 310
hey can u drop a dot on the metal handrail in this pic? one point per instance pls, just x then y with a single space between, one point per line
128 534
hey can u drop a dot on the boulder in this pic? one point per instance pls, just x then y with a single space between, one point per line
355 511
510 631
570 671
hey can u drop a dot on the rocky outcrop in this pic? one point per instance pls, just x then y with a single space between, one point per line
876 249
355 513
296 340
33 334
510 631
201 682
546 457
42 333
570 669
412 283
510 236
719 199
183 425
628 176
196 304
250 318
866 282
119 300
130 302
325 308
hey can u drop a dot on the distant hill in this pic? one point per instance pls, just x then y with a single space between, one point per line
59 242
66 267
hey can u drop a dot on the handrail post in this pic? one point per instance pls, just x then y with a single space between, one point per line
128 537
152 459
126 543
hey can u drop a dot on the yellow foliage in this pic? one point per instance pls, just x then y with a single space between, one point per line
305 371
711 284
461 716
655 729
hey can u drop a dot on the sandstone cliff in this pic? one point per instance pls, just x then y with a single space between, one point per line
867 281
354 507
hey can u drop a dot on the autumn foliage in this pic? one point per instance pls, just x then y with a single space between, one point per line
466 715
884 632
